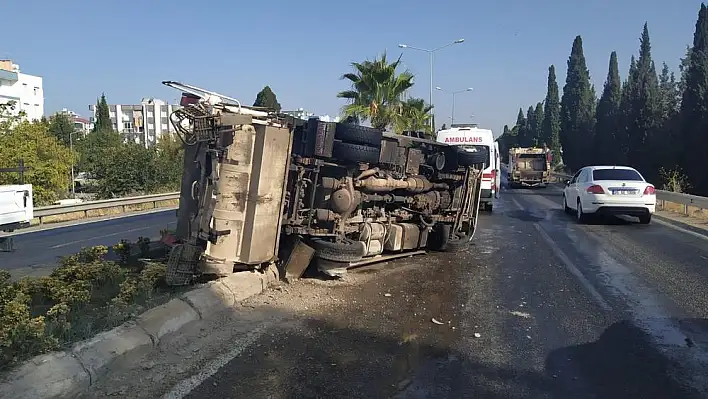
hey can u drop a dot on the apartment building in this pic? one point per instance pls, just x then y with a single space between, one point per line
25 90
142 123
81 124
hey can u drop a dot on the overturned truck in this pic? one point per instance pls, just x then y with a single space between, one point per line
260 187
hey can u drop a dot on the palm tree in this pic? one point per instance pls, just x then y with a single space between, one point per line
413 115
376 91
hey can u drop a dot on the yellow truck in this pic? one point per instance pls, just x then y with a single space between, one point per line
529 167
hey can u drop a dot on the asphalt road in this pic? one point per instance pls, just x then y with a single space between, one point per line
38 251
538 307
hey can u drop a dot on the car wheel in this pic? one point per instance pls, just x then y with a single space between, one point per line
566 208
645 219
580 215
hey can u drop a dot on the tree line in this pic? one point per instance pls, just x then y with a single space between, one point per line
653 120
50 146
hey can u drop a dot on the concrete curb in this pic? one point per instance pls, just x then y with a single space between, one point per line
67 373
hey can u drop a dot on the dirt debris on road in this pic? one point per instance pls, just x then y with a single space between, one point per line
285 310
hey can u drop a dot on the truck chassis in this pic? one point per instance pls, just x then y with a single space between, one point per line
262 188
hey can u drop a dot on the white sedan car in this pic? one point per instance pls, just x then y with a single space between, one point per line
609 190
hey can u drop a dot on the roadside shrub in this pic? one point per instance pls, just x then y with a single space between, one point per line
674 180
84 295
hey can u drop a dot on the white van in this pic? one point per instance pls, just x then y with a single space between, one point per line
466 135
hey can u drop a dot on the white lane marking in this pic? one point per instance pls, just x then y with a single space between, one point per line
186 386
66 244
518 205
61 225
570 266
681 229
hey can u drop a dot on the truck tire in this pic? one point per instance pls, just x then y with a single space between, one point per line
343 251
358 134
467 158
443 242
458 243
355 152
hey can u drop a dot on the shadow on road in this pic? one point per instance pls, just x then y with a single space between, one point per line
604 220
620 364
330 360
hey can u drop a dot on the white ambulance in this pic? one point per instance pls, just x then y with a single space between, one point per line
468 135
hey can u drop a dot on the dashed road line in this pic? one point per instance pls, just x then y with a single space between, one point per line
570 266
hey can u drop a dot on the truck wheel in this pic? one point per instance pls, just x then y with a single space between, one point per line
355 152
467 158
358 134
457 243
343 251
443 242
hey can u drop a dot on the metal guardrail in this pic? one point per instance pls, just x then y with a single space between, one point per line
85 207
687 200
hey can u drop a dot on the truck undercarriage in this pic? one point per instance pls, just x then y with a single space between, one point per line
259 187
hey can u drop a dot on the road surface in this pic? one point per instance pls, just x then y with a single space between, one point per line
538 307
37 251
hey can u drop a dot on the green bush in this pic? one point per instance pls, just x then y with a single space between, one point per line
86 294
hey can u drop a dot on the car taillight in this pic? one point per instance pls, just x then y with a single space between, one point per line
649 190
595 189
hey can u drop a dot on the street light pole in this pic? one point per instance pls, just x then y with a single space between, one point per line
71 149
454 93
430 53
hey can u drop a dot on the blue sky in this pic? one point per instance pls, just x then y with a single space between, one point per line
300 49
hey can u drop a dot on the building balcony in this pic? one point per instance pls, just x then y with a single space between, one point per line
8 76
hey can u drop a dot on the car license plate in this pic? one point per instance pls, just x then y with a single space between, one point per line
623 192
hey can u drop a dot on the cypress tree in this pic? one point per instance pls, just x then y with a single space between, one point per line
608 117
622 134
519 130
266 98
694 108
577 116
551 117
103 116
669 95
644 109
683 69
530 124
538 125
506 141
